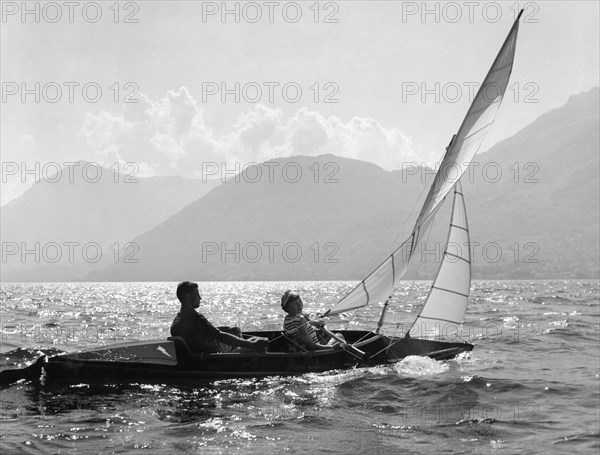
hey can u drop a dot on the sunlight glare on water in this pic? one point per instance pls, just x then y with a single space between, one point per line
529 386
415 366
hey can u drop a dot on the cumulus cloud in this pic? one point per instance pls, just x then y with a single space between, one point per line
170 137
27 140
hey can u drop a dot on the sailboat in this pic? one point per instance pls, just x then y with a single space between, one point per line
171 360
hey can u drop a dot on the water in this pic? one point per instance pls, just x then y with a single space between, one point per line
531 385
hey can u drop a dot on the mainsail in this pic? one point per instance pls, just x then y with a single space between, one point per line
446 303
379 284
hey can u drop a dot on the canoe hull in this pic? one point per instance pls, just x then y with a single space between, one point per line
164 361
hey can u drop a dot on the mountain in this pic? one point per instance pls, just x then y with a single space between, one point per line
66 220
532 199
552 203
536 218
311 218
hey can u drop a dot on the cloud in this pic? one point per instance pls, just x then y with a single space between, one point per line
27 140
170 137
101 132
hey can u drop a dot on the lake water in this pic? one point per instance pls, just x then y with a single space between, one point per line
531 384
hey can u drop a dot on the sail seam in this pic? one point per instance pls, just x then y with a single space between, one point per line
458 257
487 125
458 227
450 290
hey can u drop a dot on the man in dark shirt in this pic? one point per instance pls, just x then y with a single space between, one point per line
197 331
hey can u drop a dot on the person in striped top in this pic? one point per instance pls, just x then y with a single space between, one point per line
297 328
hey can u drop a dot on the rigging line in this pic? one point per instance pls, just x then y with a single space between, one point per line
429 185
413 236
387 302
369 332
292 341
429 229
412 210
457 186
351 320
386 348
397 330
278 337
284 335
381 350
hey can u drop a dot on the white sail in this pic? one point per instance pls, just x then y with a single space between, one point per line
446 303
380 283
474 128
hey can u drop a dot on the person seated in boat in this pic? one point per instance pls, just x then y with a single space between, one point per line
199 333
300 329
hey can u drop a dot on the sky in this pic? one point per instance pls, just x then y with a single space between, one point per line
174 86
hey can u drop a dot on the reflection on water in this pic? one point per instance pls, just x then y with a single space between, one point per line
530 385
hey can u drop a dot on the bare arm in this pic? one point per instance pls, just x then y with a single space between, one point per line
307 340
234 341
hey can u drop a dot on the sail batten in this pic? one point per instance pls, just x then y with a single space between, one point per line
449 293
464 139
449 290
379 284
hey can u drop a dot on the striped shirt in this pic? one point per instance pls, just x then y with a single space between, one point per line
291 327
